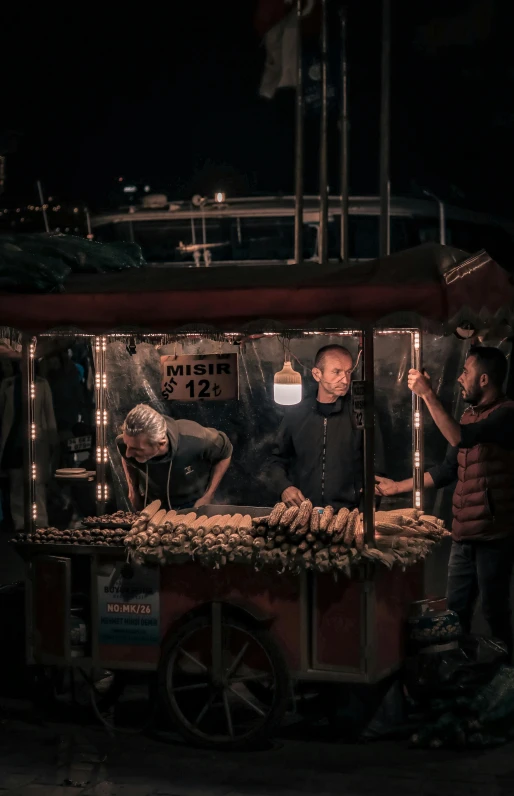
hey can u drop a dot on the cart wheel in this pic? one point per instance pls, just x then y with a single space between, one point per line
209 677
125 702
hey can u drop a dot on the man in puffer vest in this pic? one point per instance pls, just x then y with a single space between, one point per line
481 460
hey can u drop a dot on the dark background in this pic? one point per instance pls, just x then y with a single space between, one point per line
168 94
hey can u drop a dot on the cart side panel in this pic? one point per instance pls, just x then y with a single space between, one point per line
51 604
338 617
276 597
394 592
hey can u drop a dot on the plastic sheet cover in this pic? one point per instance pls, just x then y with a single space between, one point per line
252 422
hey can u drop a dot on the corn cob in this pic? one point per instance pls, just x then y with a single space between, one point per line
288 516
302 518
141 539
259 543
211 522
349 532
222 523
149 512
274 517
314 521
166 539
359 534
169 518
331 528
388 528
246 524
328 513
261 520
237 520
197 524
301 532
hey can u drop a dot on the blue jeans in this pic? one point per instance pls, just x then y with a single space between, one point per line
482 569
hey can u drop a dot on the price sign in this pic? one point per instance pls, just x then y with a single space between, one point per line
211 377
359 403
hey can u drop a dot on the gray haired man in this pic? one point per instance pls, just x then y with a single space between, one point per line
178 462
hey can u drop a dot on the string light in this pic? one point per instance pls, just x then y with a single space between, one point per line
417 459
34 511
33 431
33 471
417 499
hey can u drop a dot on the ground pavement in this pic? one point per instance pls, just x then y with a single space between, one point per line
38 758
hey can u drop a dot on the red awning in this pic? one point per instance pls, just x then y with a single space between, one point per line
430 286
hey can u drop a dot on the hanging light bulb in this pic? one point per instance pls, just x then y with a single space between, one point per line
287 386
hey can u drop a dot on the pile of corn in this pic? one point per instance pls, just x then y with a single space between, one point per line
288 538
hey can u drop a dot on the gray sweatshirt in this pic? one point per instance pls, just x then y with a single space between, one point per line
183 474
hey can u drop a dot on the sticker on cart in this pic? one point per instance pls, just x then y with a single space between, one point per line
128 605
359 403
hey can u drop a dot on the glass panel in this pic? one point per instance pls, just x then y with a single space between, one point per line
65 429
251 423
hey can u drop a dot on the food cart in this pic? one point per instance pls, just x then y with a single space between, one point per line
227 641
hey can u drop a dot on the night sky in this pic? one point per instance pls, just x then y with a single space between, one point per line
168 94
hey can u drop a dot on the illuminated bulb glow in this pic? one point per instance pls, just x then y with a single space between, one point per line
105 417
287 394
34 511
33 472
33 431
98 417
106 455
287 388
32 390
417 459
417 499
32 350
416 341
99 455
417 420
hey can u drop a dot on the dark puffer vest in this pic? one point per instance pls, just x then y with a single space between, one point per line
483 502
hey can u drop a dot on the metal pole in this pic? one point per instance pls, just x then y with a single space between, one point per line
298 163
417 427
442 216
385 113
345 243
368 367
442 224
323 156
29 460
42 200
88 222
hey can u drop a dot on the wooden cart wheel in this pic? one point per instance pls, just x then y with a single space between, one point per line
207 676
126 701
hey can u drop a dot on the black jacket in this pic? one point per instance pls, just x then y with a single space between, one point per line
182 476
322 456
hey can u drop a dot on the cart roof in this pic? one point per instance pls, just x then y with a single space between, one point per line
430 286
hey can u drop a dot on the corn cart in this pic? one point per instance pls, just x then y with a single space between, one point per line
225 643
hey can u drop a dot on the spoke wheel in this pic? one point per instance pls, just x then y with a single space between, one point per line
224 682
125 702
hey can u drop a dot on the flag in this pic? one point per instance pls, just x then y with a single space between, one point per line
275 21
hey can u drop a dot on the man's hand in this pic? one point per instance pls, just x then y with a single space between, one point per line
385 486
205 500
419 383
292 496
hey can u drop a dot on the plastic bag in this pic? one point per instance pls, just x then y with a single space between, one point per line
454 671
42 263
479 721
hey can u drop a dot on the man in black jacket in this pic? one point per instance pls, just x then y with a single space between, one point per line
319 452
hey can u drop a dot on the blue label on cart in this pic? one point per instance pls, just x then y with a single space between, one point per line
128 606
